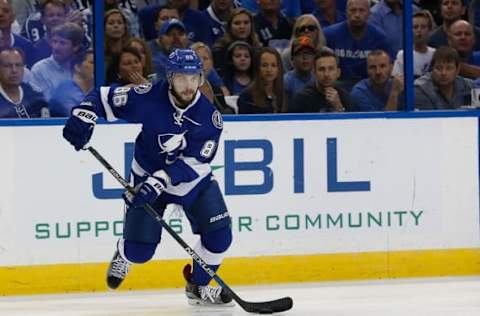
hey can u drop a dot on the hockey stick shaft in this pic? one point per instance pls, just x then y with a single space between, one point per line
279 305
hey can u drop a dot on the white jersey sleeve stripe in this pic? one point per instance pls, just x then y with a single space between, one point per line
108 109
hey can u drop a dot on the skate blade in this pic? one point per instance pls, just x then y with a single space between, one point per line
196 302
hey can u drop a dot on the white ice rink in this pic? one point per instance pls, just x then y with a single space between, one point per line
442 296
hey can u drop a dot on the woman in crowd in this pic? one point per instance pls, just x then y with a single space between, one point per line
265 94
213 87
305 25
126 67
239 67
239 27
116 33
146 56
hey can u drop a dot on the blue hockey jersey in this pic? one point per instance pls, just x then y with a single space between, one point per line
182 142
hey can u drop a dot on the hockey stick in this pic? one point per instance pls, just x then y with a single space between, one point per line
269 307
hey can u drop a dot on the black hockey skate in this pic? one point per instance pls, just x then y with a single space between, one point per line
205 295
117 270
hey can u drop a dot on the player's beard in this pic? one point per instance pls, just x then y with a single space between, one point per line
184 88
181 99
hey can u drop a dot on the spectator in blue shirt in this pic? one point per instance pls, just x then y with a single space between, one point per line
474 13
308 6
327 13
151 18
17 99
195 22
387 15
380 92
303 53
291 8
48 73
272 27
353 39
218 13
54 12
7 17
172 34
462 39
71 92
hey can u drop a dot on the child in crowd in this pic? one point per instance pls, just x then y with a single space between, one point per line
239 67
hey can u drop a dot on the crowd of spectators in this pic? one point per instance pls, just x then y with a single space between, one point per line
259 56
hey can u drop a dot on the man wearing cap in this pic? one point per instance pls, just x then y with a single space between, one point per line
324 95
172 35
303 52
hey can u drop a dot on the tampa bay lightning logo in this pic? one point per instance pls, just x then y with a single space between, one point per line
170 143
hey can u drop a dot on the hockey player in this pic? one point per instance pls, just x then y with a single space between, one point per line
178 140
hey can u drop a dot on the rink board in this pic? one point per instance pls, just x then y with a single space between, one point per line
310 199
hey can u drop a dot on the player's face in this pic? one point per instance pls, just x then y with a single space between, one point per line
206 59
185 86
62 49
326 71
269 67
6 14
461 37
241 58
452 9
444 73
53 15
358 12
420 30
11 68
241 26
379 68
115 26
128 65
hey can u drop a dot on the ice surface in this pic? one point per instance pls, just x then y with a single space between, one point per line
440 296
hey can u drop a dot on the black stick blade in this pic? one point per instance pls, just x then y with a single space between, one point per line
270 307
